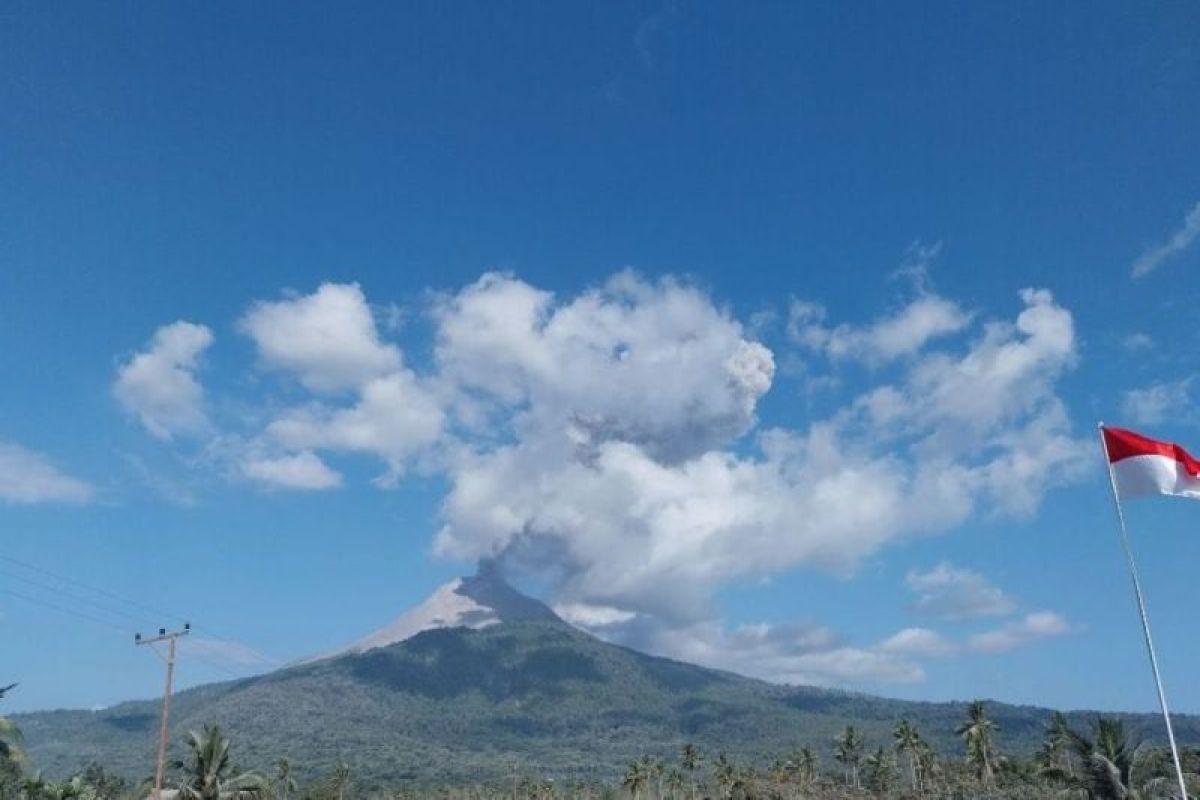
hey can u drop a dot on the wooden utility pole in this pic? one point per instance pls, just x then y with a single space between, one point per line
169 638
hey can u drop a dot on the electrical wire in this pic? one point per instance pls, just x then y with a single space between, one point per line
64 610
106 610
158 614
104 592
60 592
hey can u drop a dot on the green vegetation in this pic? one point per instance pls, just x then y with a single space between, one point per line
1102 764
207 773
541 710
977 732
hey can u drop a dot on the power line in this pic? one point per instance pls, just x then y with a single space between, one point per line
201 657
64 610
106 614
154 613
60 592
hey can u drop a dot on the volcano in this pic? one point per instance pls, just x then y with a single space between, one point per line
480 680
475 602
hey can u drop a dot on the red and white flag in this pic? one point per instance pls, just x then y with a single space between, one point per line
1141 465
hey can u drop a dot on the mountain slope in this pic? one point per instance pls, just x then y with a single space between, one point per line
464 704
476 602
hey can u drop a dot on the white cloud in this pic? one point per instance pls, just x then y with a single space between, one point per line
1159 402
1179 241
158 386
1008 372
328 339
794 653
1138 342
394 418
631 523
1033 627
918 642
849 666
303 470
27 477
599 440
656 365
901 334
593 616
949 592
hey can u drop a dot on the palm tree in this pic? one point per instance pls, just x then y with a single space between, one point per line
1109 765
67 790
675 783
100 785
1055 756
655 769
743 784
780 771
908 744
848 751
881 771
10 740
927 766
10 736
806 765
691 759
977 731
637 775
31 786
339 783
725 774
208 775
284 784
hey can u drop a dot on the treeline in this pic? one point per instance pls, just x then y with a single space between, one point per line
1101 762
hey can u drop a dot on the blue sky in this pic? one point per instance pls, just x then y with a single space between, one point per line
639 275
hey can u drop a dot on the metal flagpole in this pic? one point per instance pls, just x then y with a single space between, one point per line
1141 604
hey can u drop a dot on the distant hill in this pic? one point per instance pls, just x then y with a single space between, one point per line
448 702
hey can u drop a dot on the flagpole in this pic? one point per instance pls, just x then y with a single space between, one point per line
1141 604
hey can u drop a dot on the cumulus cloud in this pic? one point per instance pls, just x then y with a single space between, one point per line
395 418
1159 402
626 525
794 653
303 470
608 441
655 365
886 339
158 385
589 616
953 593
1031 628
918 642
327 339
1007 374
27 477
1180 240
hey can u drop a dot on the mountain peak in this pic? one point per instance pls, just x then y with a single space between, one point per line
477 601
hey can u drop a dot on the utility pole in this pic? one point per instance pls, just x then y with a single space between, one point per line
169 638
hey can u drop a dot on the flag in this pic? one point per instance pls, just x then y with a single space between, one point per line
1141 465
